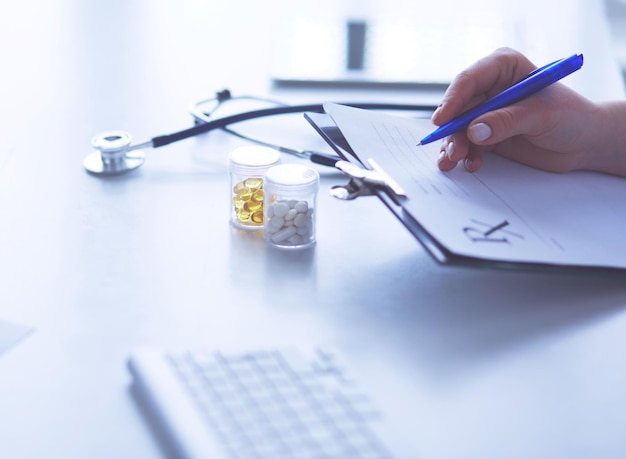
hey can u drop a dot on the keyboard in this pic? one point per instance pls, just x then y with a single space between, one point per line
262 404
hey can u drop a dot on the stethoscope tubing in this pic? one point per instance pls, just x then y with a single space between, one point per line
115 154
203 127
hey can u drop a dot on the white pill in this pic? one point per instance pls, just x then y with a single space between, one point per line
283 234
269 228
292 213
276 223
300 220
303 230
295 239
280 208
301 206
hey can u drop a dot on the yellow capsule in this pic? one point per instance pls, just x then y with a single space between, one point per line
253 183
257 217
238 202
252 206
257 196
239 187
243 215
245 194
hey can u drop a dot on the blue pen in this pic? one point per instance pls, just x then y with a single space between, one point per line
535 81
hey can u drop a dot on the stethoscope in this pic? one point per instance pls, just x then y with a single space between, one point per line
116 154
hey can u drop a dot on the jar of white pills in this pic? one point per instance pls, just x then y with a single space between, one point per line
290 200
247 166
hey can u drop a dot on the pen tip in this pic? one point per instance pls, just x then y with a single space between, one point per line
419 144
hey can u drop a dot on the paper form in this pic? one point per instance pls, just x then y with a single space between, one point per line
504 212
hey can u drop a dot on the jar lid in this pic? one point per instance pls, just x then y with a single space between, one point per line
253 158
292 177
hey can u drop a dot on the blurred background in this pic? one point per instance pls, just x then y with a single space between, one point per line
616 14
427 42
326 45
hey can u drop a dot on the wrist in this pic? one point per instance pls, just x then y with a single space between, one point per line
608 155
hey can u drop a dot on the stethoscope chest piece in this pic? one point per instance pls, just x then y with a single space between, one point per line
114 155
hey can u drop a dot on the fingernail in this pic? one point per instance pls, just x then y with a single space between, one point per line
436 112
468 164
442 156
480 132
450 150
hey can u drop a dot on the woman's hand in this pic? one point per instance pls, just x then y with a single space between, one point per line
555 129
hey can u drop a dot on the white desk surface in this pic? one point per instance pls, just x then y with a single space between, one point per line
496 364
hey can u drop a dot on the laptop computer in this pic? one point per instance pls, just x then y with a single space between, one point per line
383 52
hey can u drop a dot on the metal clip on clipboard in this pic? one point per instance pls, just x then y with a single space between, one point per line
365 182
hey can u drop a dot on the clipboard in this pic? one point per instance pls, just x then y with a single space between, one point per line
328 130
333 133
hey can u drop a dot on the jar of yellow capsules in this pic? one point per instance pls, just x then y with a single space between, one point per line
290 206
247 166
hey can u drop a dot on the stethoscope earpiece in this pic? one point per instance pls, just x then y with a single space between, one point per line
115 155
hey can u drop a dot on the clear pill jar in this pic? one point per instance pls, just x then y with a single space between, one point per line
290 206
246 166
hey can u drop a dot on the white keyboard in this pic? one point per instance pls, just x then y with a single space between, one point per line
264 404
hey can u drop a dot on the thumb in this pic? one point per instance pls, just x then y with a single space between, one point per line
499 125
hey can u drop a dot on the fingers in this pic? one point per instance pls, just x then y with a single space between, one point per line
474 159
444 161
457 148
491 129
480 81
552 130
531 117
